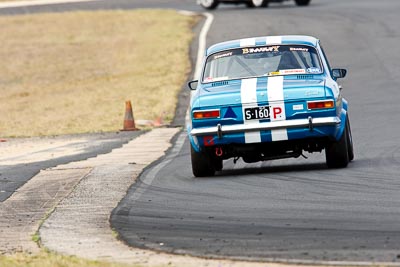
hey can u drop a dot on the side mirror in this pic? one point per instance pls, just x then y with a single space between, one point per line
339 73
193 84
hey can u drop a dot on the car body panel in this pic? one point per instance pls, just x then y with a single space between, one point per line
286 97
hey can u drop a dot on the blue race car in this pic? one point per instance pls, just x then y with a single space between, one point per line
267 98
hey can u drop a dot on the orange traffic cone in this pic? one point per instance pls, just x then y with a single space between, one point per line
129 121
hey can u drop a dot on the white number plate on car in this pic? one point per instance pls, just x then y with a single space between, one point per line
257 113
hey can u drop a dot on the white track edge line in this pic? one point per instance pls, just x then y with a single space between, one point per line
150 176
202 43
200 52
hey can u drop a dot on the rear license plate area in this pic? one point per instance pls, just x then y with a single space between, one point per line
257 113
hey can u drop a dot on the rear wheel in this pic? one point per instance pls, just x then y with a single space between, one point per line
209 4
258 3
349 140
303 2
337 153
201 164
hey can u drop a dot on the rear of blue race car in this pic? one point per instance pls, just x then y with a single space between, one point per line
268 117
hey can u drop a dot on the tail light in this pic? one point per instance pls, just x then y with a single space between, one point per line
206 114
320 104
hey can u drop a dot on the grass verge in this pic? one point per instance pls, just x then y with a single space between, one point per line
72 72
47 259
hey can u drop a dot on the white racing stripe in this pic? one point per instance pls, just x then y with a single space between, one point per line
276 97
248 94
274 40
248 42
277 106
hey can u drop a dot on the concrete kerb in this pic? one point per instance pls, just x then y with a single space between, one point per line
87 209
21 214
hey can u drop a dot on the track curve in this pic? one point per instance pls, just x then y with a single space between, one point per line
295 209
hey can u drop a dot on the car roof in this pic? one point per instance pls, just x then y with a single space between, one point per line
263 41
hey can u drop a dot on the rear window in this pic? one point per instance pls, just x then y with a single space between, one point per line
262 61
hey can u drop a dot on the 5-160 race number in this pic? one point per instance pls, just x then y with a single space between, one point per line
257 113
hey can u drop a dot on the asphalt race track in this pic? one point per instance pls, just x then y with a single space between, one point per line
288 210
297 209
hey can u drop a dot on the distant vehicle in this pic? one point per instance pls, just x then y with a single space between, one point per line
267 98
212 4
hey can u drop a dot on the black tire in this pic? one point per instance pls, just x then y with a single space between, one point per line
201 164
257 3
209 4
218 164
337 153
303 2
349 140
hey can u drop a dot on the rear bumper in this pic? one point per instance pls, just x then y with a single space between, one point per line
286 124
